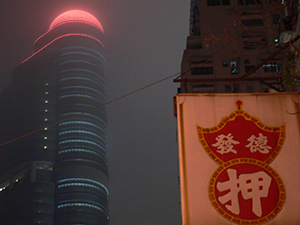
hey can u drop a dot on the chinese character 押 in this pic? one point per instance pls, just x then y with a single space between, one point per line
252 186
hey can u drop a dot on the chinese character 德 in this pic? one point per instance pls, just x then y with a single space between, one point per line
225 143
258 143
252 186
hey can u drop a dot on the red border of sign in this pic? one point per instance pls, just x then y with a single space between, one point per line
215 204
231 117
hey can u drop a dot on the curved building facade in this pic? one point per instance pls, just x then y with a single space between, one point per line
60 90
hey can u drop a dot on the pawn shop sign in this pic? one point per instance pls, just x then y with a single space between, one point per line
239 158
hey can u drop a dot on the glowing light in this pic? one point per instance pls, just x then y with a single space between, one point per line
60 37
77 16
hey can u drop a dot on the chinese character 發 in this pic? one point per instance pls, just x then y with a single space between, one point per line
258 143
225 143
252 186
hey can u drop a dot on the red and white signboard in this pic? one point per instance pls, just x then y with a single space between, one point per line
239 158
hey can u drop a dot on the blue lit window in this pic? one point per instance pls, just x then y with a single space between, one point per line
80 205
272 67
78 122
79 184
79 132
76 95
80 141
80 61
78 150
81 50
83 71
87 115
83 180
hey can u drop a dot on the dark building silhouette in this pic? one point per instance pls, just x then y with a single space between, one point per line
227 40
57 175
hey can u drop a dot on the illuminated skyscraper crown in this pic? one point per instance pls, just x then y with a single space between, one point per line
76 16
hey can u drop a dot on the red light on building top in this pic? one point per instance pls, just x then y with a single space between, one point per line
76 16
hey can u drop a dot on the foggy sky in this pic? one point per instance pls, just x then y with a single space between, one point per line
144 41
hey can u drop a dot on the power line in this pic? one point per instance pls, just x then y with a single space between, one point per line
130 93
99 106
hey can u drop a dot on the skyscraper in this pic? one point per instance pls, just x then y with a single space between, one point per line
227 39
53 154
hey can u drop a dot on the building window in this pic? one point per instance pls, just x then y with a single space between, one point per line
194 21
225 64
204 88
234 67
253 22
78 150
252 2
248 68
251 45
205 70
275 1
81 141
83 180
237 89
227 88
78 204
213 2
76 95
248 2
250 89
254 42
275 18
272 67
78 122
218 2
78 132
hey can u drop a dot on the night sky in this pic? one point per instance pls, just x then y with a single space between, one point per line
145 40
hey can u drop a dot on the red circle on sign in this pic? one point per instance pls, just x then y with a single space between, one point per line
246 190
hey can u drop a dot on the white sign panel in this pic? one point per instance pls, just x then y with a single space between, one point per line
239 158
